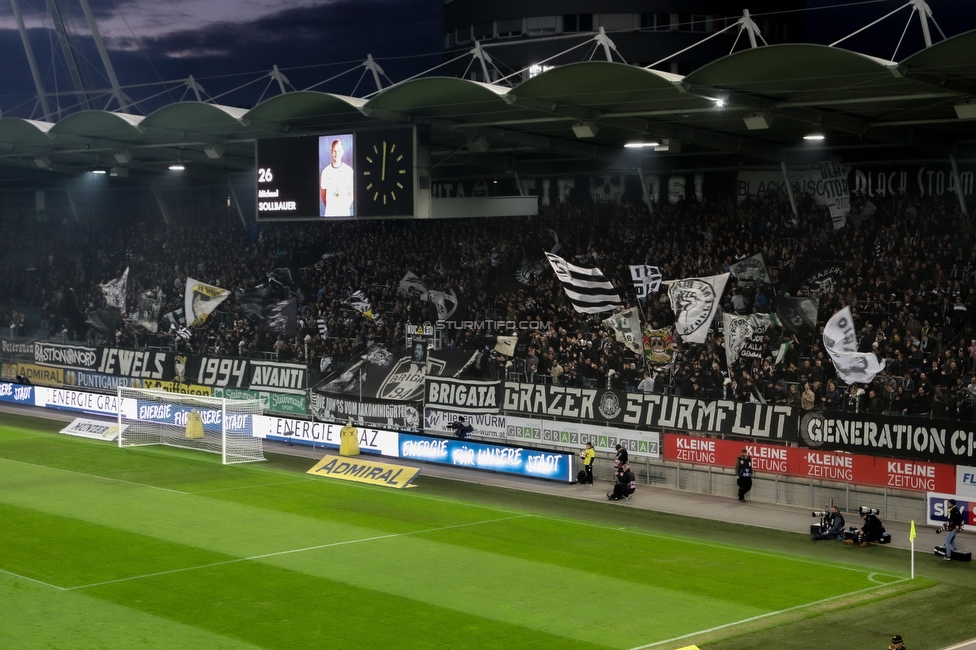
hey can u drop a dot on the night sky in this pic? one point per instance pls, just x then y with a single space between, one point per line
227 43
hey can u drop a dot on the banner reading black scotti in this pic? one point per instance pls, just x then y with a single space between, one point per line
372 412
463 395
937 441
652 411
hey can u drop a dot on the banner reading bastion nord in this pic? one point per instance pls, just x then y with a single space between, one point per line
651 411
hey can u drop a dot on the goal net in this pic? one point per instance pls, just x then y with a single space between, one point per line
220 426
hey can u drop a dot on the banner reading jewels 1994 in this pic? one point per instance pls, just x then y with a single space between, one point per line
651 411
937 441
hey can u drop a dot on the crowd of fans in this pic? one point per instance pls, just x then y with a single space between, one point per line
908 277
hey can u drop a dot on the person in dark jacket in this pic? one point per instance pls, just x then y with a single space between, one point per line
871 530
743 472
625 486
834 525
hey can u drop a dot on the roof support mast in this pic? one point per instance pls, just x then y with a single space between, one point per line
107 62
69 56
38 85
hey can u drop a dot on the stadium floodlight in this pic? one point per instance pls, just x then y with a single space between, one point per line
758 121
43 162
98 171
814 137
122 157
176 168
966 110
212 424
642 144
214 152
586 129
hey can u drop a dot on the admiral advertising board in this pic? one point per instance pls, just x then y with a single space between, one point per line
915 476
306 432
651 411
16 393
935 441
552 465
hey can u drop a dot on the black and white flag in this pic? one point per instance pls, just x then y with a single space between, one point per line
281 276
798 314
252 301
445 302
745 336
695 302
647 279
588 289
840 339
105 321
150 303
280 317
114 290
751 270
626 325
411 286
175 318
323 328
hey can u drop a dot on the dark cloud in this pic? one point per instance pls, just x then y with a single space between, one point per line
308 44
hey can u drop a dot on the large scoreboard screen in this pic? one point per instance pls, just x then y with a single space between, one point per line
337 175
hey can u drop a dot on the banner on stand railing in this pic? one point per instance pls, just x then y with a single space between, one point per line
651 411
462 395
371 412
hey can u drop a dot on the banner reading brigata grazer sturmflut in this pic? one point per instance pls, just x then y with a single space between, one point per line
652 411
938 441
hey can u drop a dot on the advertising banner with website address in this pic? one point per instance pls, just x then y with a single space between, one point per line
651 411
552 465
177 368
916 476
485 426
935 441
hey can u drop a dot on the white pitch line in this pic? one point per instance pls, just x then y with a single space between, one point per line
104 478
39 582
288 552
767 615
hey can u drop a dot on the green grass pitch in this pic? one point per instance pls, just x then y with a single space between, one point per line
161 548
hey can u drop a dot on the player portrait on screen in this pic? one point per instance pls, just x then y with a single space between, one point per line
336 193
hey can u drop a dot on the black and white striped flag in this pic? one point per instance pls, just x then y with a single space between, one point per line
588 289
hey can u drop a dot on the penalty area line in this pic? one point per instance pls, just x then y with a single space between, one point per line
37 582
768 615
288 552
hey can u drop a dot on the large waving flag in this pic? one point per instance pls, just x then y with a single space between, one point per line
695 302
200 300
626 325
751 270
840 339
114 290
587 289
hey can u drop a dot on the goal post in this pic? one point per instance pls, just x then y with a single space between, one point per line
213 424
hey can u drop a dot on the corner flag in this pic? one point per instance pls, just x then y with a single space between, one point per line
911 535
911 538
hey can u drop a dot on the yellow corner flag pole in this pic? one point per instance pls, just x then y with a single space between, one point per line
911 538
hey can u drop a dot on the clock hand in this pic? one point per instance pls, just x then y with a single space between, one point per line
383 171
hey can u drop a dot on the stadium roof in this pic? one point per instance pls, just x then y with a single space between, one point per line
756 105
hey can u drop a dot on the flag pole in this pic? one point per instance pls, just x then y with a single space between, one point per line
911 537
